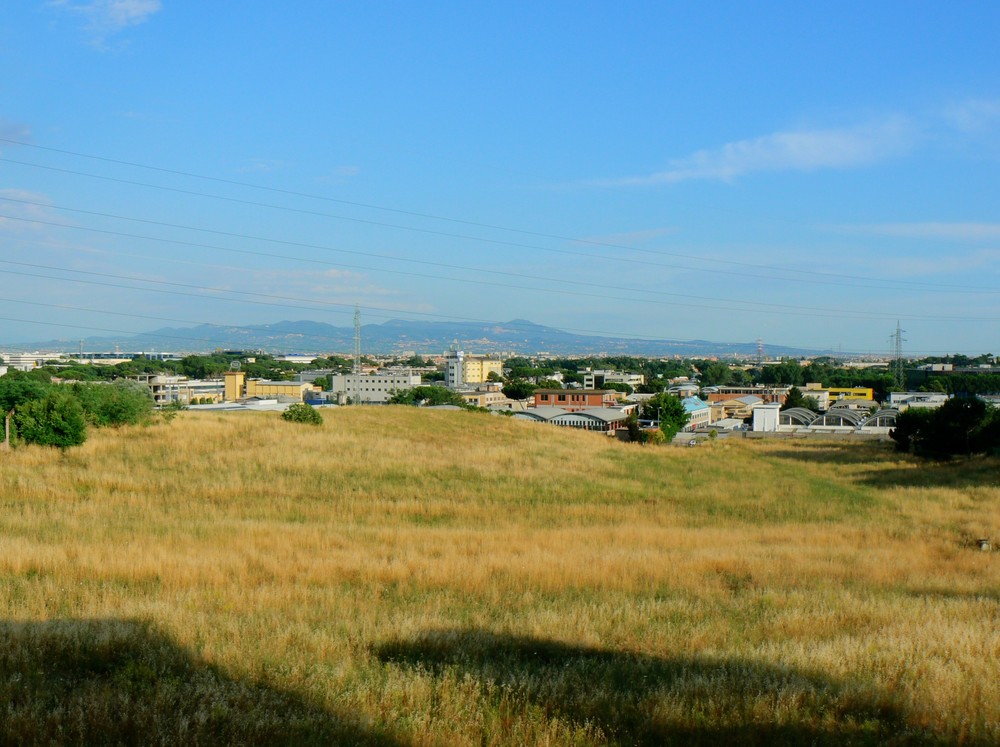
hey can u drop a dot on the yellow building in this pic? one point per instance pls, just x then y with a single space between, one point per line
476 369
851 394
235 381
239 387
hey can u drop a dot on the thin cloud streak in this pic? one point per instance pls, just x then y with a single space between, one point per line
931 231
974 115
15 131
104 18
803 150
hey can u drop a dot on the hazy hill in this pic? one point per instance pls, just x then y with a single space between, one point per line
518 336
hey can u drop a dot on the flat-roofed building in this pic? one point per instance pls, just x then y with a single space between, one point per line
167 389
463 369
602 419
598 379
373 388
238 386
699 412
575 399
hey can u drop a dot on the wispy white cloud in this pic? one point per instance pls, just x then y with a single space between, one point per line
15 130
974 115
262 166
932 231
795 150
104 18
339 175
984 263
23 207
332 283
629 238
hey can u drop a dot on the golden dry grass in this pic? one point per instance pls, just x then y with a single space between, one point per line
423 577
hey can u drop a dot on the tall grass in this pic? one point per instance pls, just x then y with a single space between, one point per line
414 577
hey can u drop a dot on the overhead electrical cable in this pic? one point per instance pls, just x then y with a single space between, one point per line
754 305
880 286
219 340
810 274
342 304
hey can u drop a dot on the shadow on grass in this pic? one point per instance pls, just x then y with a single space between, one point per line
122 682
834 454
991 596
636 699
960 472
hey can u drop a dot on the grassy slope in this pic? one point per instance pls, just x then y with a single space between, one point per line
410 577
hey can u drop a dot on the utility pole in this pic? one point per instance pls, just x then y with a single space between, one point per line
6 431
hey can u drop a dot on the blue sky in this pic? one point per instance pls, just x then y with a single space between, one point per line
806 174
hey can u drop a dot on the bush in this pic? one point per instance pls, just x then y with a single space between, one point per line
302 413
121 402
960 426
56 420
427 395
17 387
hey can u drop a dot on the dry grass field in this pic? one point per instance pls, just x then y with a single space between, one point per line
408 577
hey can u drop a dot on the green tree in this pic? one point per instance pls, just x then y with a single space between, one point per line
17 387
668 411
786 372
302 412
55 420
795 398
632 424
121 402
960 426
518 389
549 384
427 396
714 373
618 386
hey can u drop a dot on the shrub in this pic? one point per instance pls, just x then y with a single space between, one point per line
17 387
960 426
56 420
302 413
121 402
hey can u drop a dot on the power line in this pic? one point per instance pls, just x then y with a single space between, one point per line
949 351
306 245
251 298
799 311
762 307
591 242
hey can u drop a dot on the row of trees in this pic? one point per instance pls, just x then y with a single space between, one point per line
428 396
58 414
960 426
209 366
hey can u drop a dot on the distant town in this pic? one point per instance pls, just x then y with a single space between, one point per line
754 396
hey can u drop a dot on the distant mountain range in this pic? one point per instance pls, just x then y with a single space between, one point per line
398 336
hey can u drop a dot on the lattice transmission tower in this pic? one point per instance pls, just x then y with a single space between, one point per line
898 370
357 355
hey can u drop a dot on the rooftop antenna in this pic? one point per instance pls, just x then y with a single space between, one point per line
898 372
